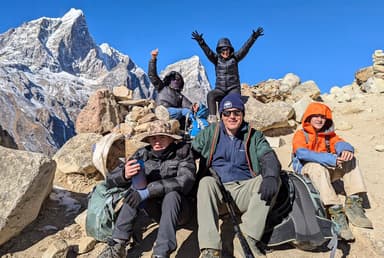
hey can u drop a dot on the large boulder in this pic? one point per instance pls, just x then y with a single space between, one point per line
373 85
26 180
363 74
268 116
101 114
308 88
76 154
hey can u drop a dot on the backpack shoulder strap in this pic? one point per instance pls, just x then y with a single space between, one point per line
306 136
327 144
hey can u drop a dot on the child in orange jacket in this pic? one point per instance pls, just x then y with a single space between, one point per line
324 157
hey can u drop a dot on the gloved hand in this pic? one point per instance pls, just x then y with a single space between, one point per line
197 36
259 32
268 189
135 197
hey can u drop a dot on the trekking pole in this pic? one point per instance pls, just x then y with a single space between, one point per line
230 206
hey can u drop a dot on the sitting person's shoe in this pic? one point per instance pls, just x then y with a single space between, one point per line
355 212
162 113
338 216
210 253
114 250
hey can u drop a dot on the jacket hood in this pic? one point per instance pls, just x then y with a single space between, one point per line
317 108
223 42
316 141
172 75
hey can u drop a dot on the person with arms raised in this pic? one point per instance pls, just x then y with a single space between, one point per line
171 102
226 62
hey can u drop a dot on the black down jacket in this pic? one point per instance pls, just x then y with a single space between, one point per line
173 170
227 71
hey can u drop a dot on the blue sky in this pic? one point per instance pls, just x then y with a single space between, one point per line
326 41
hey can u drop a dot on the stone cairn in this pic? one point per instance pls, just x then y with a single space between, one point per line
121 120
378 64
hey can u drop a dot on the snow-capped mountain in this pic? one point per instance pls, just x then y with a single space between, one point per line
48 69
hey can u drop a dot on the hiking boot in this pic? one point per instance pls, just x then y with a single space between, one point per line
338 216
114 250
355 212
212 119
210 253
162 113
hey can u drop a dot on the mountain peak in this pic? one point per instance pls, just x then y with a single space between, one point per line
72 14
50 66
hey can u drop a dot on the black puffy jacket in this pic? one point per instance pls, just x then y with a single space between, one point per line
173 171
227 71
166 95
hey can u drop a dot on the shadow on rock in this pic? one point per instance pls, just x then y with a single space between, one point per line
57 212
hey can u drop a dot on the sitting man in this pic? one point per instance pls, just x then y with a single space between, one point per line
249 170
169 170
324 157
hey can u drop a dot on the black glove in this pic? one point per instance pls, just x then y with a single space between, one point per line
259 32
135 197
197 36
268 188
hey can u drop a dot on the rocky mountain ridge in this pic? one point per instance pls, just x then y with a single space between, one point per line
50 66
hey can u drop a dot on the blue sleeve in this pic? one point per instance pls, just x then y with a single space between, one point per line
343 146
323 158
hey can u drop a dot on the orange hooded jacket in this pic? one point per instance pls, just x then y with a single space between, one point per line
316 141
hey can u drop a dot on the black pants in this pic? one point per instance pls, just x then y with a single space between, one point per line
172 210
216 95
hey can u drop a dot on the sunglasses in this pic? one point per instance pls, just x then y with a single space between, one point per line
227 113
224 49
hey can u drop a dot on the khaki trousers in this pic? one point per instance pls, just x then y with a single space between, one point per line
322 178
210 206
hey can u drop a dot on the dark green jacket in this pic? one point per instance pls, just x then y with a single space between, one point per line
256 147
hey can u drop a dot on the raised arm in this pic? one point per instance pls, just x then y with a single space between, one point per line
152 71
243 51
207 51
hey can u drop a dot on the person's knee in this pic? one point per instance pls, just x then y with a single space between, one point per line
173 196
207 181
171 199
206 184
313 167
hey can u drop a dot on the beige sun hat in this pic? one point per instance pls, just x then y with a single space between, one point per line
107 151
160 127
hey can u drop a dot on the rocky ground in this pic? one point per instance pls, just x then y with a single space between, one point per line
359 122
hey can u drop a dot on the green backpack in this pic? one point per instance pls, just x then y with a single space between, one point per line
103 209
